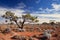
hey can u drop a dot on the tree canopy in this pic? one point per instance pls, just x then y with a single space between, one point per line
12 17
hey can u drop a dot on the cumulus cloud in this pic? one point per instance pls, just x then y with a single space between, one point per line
56 6
46 10
47 17
17 12
55 9
21 5
44 15
49 14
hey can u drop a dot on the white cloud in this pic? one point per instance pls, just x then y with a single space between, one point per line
40 9
21 5
46 14
55 9
17 12
41 17
49 14
47 17
46 10
56 6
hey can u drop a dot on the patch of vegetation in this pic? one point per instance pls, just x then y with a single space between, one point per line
7 30
16 37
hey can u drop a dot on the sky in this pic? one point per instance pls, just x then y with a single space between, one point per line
45 10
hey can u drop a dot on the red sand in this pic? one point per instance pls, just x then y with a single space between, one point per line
8 36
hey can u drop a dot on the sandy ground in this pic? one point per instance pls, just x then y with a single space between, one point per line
8 36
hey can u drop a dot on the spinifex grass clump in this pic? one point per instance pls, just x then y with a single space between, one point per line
4 29
18 30
16 37
7 30
40 37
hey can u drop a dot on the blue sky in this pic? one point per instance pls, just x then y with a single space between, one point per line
44 9
29 4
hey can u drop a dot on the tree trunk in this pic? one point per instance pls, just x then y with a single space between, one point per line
22 25
17 24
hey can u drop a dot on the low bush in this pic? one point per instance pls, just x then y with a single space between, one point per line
16 37
7 30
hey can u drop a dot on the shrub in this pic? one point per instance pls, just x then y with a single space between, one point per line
55 35
7 30
16 37
18 30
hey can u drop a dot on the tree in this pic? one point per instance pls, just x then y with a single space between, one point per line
11 16
52 23
26 18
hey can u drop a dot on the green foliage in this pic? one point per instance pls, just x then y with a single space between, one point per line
52 23
36 20
28 16
10 15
